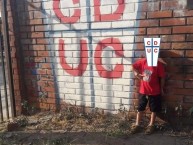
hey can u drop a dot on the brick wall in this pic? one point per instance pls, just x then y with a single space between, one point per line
14 59
80 51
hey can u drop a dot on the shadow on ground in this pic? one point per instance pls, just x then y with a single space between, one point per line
89 138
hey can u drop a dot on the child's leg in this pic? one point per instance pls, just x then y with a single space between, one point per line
155 106
138 118
151 128
152 120
141 108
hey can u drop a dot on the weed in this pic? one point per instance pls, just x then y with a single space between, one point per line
22 121
28 109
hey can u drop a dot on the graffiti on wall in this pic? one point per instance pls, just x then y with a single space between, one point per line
78 71
93 44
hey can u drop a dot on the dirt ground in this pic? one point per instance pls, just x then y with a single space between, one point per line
70 128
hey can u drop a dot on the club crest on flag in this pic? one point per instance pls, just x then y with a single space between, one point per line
152 46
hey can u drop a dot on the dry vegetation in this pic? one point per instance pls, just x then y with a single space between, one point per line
72 127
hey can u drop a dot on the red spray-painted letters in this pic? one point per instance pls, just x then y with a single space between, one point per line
64 19
78 71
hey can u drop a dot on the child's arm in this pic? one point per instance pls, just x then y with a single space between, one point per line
137 74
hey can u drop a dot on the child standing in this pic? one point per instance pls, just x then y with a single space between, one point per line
151 88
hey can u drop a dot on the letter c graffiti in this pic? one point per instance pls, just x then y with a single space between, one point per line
118 70
64 19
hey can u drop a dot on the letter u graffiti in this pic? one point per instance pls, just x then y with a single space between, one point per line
78 71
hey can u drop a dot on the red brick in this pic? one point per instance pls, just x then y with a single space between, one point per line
45 65
175 84
183 91
139 38
147 23
44 106
30 53
172 38
53 107
141 31
182 29
11 27
148 6
172 21
187 61
159 14
48 89
172 53
189 37
38 14
9 14
15 71
49 72
185 45
39 59
35 22
43 53
154 31
10 20
188 84
51 95
12 43
51 84
189 53
33 99
174 69
171 5
25 29
182 13
36 35
189 21
42 83
28 41
174 98
30 15
42 41
188 99
40 28
41 71
30 64
47 78
187 77
142 15
165 46
188 69
37 47
33 6
16 77
51 101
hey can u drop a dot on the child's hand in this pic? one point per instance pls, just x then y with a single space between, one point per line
140 76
